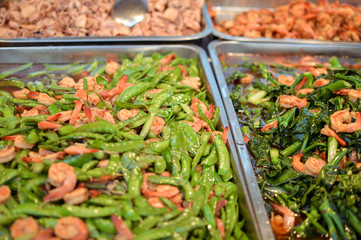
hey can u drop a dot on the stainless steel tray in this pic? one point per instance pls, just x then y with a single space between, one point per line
233 48
67 54
227 9
196 38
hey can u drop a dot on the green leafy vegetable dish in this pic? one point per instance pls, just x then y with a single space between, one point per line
301 120
113 151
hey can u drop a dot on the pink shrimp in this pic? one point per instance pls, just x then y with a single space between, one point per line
326 130
44 125
282 225
220 227
167 59
19 142
156 202
79 150
341 121
76 112
61 116
122 228
67 82
71 228
157 125
63 177
7 154
269 126
287 101
5 194
111 67
24 227
285 80
117 90
317 71
194 107
321 82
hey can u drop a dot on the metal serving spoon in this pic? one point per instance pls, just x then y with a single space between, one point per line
129 12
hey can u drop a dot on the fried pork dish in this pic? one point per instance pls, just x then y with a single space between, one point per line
80 18
297 19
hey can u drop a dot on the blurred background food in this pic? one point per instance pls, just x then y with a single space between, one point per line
80 18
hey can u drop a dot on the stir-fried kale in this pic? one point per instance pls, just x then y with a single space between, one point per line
326 196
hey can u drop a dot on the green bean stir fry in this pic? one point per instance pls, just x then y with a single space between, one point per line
124 151
302 125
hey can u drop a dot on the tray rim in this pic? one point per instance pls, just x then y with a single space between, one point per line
247 168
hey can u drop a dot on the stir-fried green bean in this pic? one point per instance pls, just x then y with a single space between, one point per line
111 150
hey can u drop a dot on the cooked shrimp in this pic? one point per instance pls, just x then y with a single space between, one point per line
285 80
313 166
125 114
291 101
321 82
166 191
154 190
76 112
341 121
93 99
318 71
45 99
45 234
19 142
123 231
71 228
247 79
78 196
44 125
22 227
5 194
35 111
282 225
305 91
103 163
194 107
7 154
79 150
82 94
21 94
220 227
193 82
269 126
117 90
177 199
111 67
297 164
167 59
326 130
63 177
61 116
92 83
156 202
157 125
351 93
67 82
103 114
197 124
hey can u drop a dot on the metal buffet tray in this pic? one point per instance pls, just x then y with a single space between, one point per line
68 54
227 9
237 50
196 38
